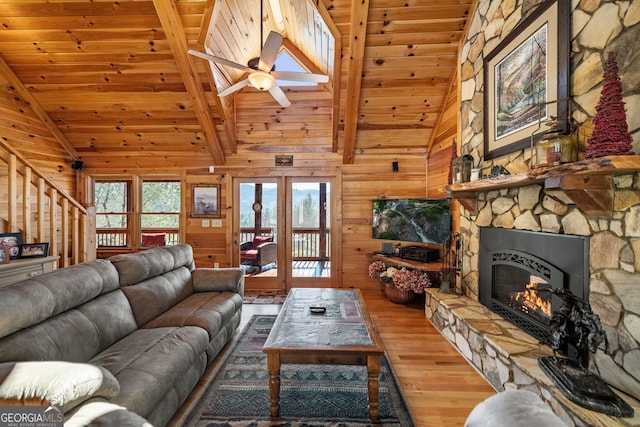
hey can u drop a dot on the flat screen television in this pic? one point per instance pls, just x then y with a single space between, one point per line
412 220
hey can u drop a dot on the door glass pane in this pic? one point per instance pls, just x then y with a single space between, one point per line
258 228
310 229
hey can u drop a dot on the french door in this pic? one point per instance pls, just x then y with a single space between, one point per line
283 232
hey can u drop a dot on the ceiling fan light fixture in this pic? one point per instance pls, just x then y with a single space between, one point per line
261 80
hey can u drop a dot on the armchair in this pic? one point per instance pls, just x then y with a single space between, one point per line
260 252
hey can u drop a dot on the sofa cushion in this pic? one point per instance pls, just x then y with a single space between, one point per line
149 362
154 296
75 335
55 383
258 240
31 301
210 311
104 414
136 267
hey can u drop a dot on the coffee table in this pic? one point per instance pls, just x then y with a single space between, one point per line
342 334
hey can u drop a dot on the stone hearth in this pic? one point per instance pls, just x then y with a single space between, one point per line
507 356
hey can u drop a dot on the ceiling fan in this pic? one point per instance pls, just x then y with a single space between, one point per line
262 73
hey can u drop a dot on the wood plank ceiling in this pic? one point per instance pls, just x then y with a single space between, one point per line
114 84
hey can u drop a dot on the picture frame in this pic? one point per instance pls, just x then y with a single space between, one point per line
35 250
526 80
13 242
4 255
205 201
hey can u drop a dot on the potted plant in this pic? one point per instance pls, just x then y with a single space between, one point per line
400 284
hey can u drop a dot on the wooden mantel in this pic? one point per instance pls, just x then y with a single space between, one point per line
587 183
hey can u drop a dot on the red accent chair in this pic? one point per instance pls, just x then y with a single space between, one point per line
260 252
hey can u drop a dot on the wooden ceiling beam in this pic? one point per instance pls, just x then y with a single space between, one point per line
172 26
24 93
357 39
226 107
337 70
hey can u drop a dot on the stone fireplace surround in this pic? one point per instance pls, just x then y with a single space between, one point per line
506 355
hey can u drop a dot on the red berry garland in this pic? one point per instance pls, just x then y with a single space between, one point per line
610 133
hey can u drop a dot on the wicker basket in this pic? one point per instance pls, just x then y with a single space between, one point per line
398 296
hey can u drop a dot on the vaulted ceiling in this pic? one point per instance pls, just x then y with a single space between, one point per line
114 84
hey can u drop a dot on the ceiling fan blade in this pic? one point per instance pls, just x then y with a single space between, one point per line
219 60
300 77
270 51
234 87
279 96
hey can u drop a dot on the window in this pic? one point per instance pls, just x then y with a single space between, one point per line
160 216
148 208
112 200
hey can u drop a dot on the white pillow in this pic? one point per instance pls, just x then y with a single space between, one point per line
513 408
56 383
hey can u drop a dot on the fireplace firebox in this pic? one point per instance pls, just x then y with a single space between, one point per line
517 269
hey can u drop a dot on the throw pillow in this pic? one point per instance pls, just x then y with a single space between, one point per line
54 383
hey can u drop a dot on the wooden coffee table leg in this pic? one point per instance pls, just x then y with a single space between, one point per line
373 372
273 365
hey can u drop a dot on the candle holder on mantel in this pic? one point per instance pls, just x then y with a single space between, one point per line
576 325
461 169
555 147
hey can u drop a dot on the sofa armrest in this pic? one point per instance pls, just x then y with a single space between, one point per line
66 384
218 280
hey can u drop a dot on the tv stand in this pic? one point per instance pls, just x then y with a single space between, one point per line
394 261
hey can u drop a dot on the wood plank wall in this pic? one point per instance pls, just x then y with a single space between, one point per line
25 132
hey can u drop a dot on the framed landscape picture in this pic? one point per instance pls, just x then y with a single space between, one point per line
205 200
526 80
13 242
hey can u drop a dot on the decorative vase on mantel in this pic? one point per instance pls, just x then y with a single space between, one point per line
398 296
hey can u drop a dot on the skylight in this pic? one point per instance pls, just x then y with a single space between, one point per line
286 62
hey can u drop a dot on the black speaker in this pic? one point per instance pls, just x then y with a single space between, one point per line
77 165
394 165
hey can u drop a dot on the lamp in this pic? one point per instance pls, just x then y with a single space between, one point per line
261 80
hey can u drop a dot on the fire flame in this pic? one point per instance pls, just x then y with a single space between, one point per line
529 299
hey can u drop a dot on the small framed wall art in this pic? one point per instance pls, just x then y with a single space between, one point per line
205 200
35 250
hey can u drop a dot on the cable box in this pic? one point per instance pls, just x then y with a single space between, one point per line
419 253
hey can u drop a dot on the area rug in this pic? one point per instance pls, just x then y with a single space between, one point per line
310 395
265 297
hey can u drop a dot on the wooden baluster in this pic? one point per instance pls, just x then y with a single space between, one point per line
26 205
12 216
64 231
53 221
75 235
41 210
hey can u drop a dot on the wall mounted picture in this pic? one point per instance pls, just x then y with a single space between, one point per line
35 250
13 241
206 200
526 80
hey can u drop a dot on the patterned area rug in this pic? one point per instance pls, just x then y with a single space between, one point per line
264 297
310 396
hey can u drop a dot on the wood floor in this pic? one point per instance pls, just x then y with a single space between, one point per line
440 386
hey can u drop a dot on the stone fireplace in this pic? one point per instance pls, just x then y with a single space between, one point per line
608 249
